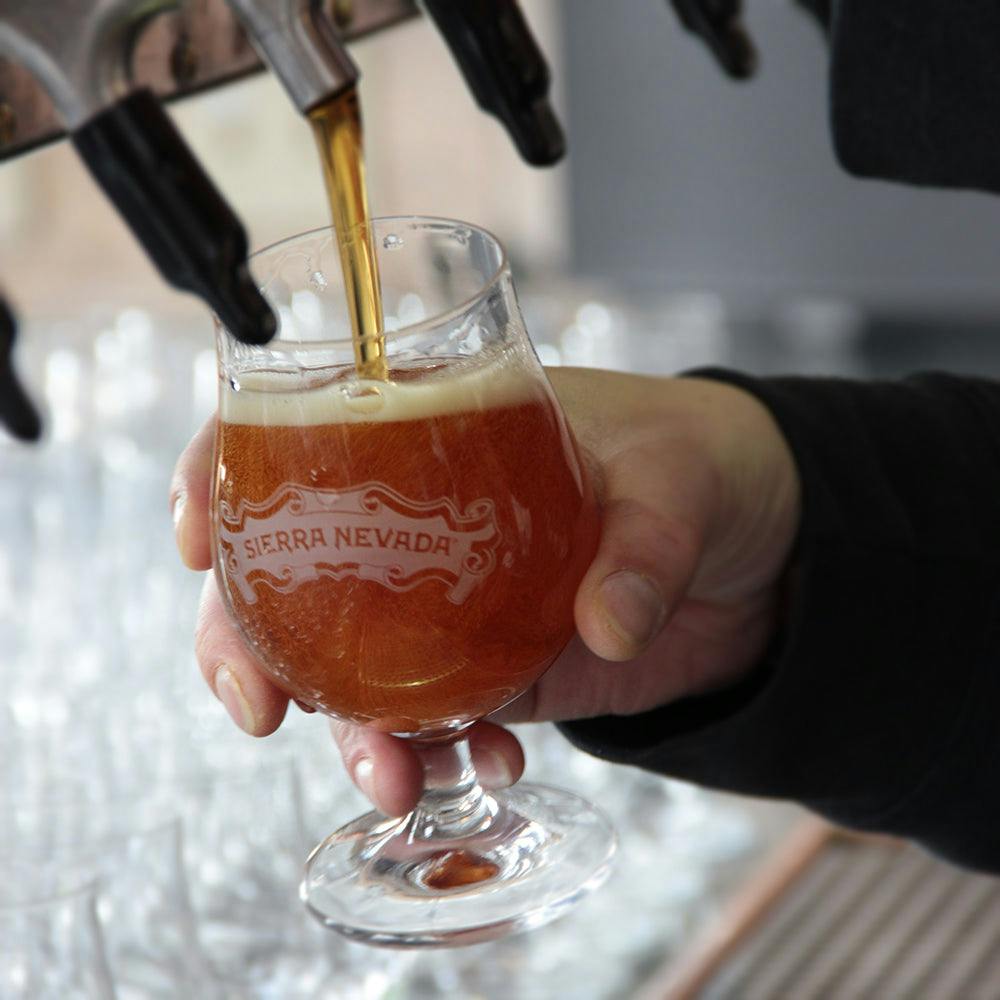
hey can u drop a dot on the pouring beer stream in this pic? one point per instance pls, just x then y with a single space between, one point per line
337 127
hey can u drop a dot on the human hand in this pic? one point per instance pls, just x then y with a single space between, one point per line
700 505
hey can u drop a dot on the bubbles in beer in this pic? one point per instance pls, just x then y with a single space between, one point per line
392 241
345 617
318 280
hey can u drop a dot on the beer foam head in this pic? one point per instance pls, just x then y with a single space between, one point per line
273 398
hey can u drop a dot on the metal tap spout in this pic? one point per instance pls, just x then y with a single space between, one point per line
296 39
134 152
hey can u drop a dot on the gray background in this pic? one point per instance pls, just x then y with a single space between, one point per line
682 179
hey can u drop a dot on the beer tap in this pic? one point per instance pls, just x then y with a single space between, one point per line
489 39
718 23
505 70
80 50
299 43
134 152
17 412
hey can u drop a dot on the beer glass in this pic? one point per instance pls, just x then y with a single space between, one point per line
51 946
404 554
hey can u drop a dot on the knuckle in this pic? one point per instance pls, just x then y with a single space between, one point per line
653 537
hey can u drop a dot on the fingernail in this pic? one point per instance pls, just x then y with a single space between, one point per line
493 770
633 605
364 777
177 513
229 692
308 709
177 508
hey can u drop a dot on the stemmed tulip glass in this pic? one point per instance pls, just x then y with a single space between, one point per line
404 554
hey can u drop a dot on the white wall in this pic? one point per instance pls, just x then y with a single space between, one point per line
683 179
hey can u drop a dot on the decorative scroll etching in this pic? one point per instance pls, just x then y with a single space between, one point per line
370 532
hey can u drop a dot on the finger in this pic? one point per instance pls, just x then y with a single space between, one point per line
385 768
389 772
255 704
581 685
654 515
688 657
190 492
497 755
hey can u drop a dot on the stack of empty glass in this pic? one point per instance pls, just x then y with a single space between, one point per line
150 850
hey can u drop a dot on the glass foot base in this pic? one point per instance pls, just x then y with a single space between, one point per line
379 881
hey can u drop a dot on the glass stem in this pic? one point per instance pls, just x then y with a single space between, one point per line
454 804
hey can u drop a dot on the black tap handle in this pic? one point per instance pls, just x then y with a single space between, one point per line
192 235
17 412
505 70
719 25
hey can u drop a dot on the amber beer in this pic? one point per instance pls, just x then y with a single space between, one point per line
408 559
339 138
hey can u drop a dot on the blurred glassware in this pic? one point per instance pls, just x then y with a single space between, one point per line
819 335
659 334
245 841
597 338
681 331
131 849
103 702
51 946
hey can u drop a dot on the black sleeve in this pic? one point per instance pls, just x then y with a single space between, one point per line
879 705
915 89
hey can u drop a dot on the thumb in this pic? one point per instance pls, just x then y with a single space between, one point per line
654 513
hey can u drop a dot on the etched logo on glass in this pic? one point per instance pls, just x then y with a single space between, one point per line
370 532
